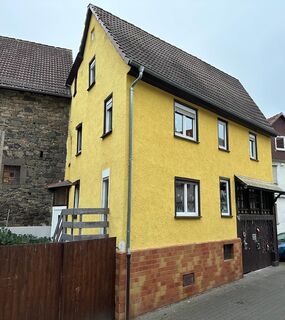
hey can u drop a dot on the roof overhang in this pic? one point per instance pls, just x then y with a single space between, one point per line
172 88
60 184
260 184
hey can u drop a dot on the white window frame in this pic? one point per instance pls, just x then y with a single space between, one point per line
186 112
225 125
79 139
76 195
105 176
280 137
188 213
92 72
228 190
252 139
108 115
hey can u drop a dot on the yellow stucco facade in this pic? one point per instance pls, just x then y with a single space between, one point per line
158 157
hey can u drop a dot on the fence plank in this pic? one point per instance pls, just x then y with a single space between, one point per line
84 225
80 211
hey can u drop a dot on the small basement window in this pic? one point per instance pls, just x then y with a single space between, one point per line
228 251
188 279
11 175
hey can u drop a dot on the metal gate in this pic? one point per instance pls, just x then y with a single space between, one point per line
257 235
256 227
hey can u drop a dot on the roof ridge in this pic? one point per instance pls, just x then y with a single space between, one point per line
37 43
168 43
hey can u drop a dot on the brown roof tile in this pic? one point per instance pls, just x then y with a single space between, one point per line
176 66
34 67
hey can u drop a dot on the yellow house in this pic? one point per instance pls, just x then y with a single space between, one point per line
192 156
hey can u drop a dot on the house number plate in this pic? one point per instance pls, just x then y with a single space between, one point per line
254 237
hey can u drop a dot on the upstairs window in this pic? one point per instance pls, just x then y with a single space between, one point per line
185 122
108 115
186 198
79 139
223 135
92 72
252 146
280 143
11 175
225 198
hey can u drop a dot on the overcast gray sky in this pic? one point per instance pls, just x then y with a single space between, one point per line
245 38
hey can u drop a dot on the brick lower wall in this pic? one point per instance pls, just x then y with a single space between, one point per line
157 274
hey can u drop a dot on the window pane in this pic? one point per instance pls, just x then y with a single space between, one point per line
106 193
224 197
79 139
189 126
76 196
191 201
179 194
280 143
222 135
178 123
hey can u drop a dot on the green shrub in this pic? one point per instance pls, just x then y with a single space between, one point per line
9 238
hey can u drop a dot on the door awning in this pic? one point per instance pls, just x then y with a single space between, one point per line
60 184
260 184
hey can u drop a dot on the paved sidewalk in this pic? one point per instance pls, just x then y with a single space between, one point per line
258 296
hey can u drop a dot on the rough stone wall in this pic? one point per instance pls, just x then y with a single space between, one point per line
157 274
34 127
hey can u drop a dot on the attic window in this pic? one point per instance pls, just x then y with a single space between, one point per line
92 34
92 72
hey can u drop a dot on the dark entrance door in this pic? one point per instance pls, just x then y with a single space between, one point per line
256 227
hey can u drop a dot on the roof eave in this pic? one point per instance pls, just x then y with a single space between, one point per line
47 93
173 88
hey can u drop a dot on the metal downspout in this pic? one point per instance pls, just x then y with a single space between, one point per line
130 172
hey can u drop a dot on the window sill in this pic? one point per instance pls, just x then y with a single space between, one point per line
252 159
224 150
187 217
185 138
78 154
91 86
104 135
226 216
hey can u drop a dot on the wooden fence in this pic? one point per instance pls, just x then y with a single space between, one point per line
58 281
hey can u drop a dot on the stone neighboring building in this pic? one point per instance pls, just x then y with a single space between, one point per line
278 162
34 109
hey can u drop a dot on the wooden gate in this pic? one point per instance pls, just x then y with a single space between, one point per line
58 281
256 227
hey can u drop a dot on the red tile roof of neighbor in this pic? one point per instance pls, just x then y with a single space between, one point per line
179 69
35 67
272 119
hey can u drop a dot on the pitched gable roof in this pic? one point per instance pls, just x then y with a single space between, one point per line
273 119
34 67
178 69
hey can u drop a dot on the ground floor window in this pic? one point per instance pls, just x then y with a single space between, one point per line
225 198
187 197
105 188
76 194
